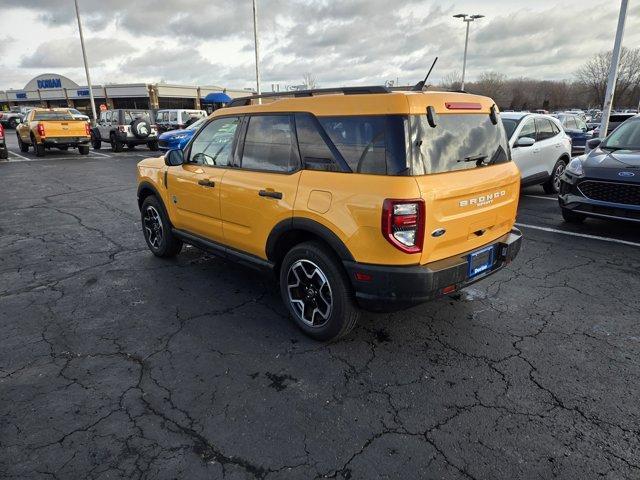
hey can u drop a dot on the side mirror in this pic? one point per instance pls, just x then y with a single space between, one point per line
173 158
524 142
594 143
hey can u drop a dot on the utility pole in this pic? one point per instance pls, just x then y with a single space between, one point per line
467 19
613 70
257 46
86 65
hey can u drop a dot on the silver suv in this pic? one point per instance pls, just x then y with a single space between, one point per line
128 127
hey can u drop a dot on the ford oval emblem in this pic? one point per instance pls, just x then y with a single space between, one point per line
626 174
438 233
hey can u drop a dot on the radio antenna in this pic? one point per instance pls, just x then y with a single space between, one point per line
420 85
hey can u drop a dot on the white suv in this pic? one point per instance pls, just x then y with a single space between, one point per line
539 147
177 119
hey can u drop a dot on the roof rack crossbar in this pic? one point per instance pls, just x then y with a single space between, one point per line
242 101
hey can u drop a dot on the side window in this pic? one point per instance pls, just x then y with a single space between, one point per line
545 129
161 117
555 128
528 129
103 116
316 154
269 144
580 123
571 123
212 146
173 117
108 116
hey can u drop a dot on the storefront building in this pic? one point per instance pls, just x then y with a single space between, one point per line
53 90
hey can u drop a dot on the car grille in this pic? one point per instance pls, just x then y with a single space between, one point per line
622 193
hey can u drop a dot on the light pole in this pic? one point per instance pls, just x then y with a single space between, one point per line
613 70
86 66
256 44
467 19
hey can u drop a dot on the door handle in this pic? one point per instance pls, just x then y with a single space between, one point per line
207 183
270 194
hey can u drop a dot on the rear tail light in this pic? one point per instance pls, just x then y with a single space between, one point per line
87 129
122 128
41 130
403 224
1 130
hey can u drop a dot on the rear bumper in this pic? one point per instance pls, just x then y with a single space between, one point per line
133 140
396 288
66 141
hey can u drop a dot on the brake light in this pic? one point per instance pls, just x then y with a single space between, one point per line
1 115
1 130
122 128
87 129
403 224
40 129
463 106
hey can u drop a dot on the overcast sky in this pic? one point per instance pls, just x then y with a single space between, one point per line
209 42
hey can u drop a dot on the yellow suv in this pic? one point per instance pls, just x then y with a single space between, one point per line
355 198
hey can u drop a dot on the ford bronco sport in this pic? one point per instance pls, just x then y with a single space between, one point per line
355 198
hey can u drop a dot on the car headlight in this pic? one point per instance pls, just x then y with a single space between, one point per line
575 167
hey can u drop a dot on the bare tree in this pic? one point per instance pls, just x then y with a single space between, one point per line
452 81
593 75
309 81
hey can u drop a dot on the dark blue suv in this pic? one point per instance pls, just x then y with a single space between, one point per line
178 138
605 182
577 129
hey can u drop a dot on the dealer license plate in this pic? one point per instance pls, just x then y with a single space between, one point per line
481 260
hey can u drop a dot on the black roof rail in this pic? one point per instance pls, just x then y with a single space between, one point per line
242 101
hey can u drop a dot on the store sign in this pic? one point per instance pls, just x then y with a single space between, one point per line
83 93
21 95
50 83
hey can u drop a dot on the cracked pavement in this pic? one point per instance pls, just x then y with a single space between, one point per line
116 364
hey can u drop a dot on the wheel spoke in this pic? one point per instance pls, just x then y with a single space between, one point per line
309 293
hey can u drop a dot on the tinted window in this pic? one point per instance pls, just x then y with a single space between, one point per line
570 123
52 116
269 144
131 115
509 126
528 129
316 154
619 118
213 145
554 127
458 142
545 129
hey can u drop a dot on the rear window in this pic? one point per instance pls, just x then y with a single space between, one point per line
620 118
60 116
131 115
369 144
457 142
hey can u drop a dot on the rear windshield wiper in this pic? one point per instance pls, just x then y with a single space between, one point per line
474 158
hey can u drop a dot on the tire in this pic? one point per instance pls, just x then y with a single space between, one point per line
83 149
38 147
13 123
572 217
4 153
161 240
24 148
322 284
140 128
116 145
96 141
552 185
153 146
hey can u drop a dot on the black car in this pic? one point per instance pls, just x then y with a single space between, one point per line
4 153
605 182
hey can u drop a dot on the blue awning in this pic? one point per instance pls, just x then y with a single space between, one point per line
217 97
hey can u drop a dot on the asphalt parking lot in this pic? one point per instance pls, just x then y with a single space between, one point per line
116 364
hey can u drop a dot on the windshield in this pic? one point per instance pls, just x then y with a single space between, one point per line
625 137
52 116
509 126
457 142
196 125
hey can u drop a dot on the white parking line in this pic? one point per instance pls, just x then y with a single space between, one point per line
19 156
101 154
555 199
581 235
